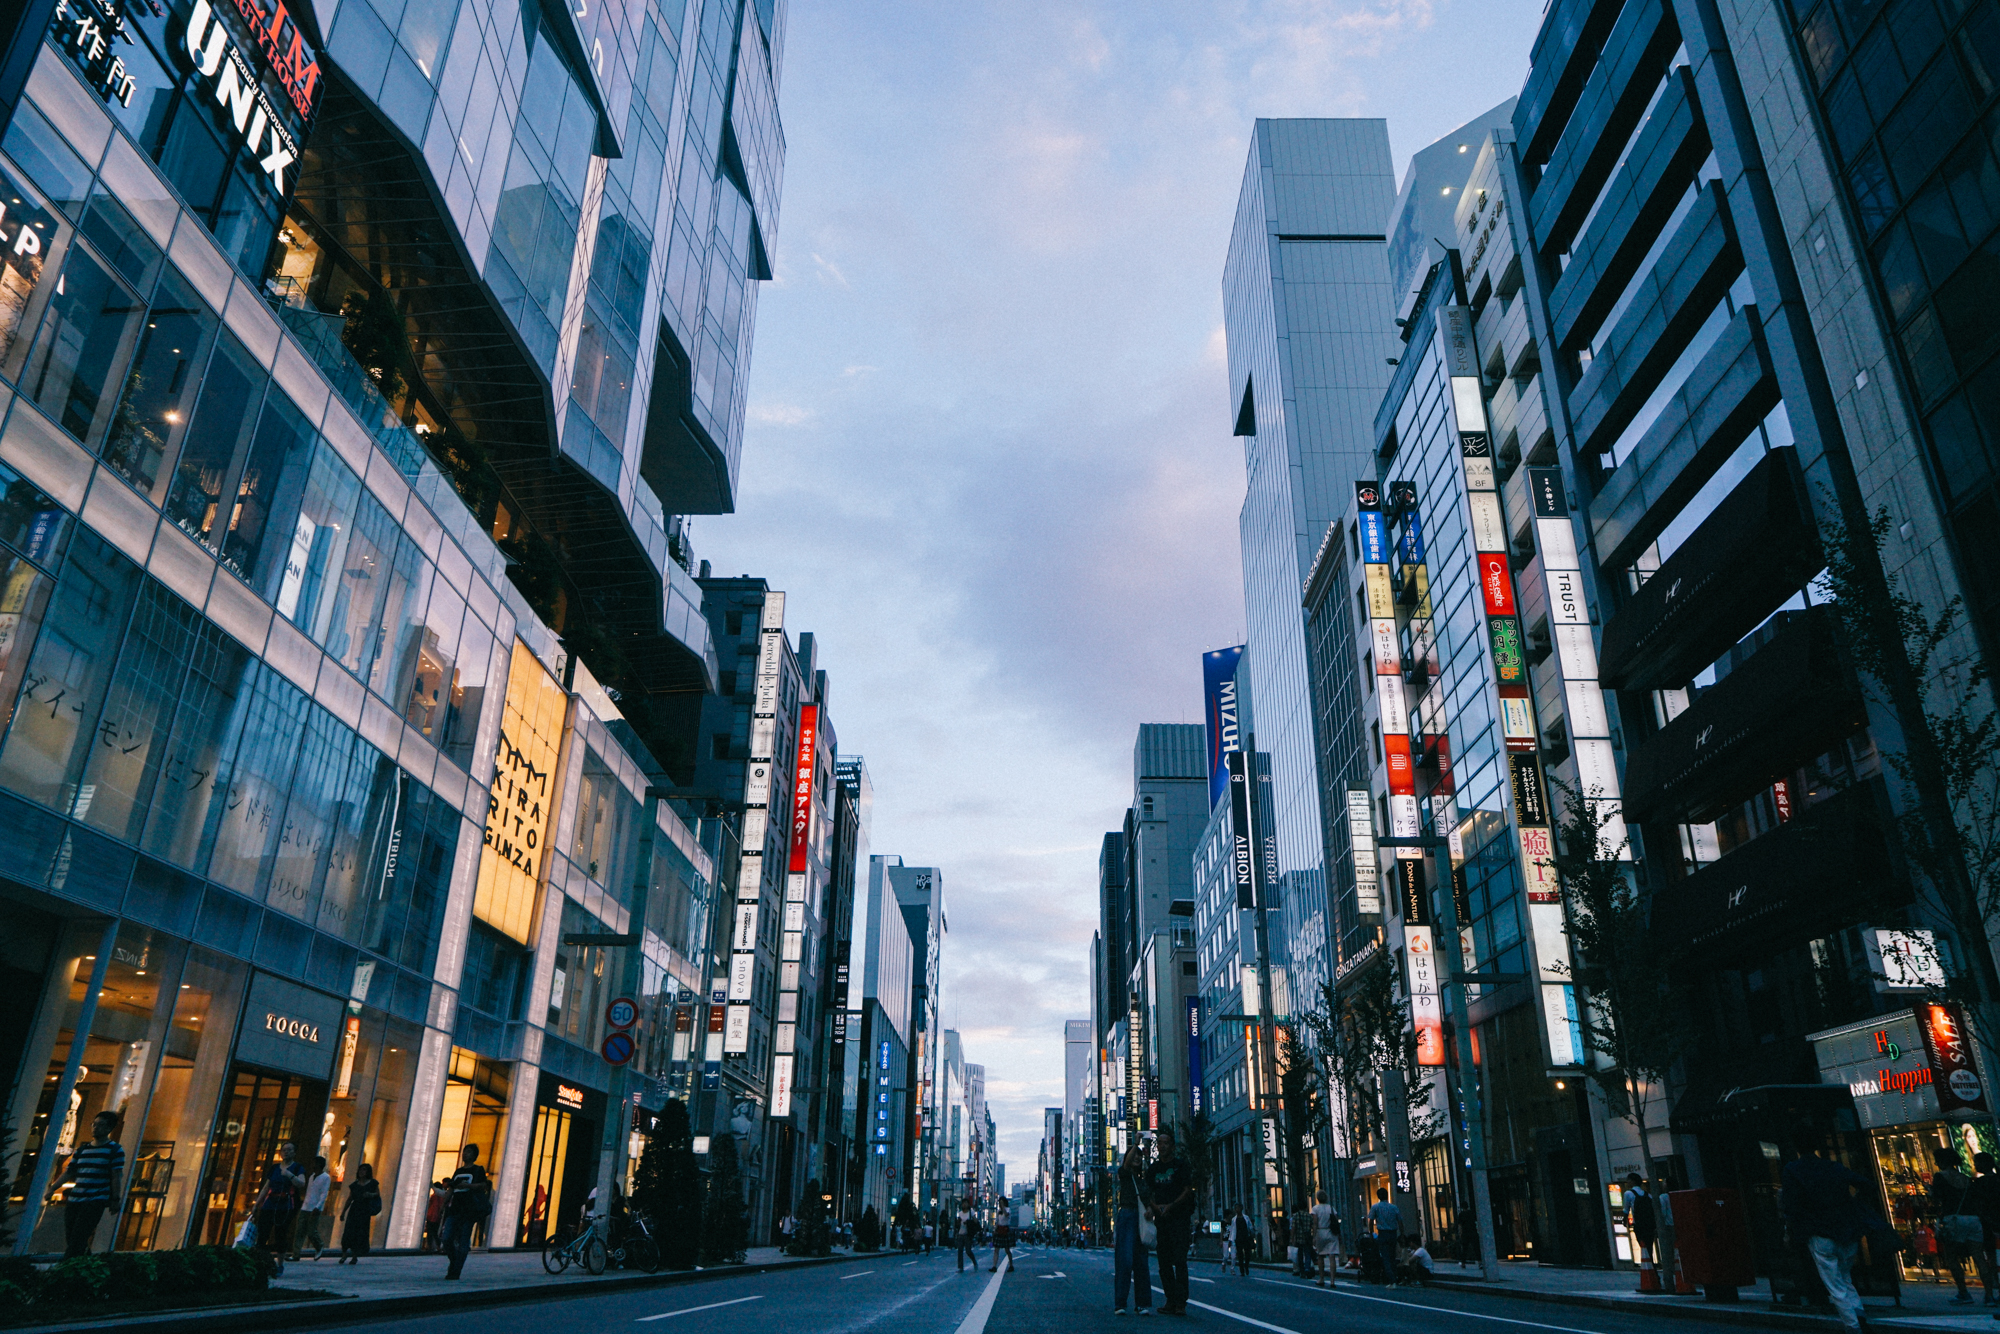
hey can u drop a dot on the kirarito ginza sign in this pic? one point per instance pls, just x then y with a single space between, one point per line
231 74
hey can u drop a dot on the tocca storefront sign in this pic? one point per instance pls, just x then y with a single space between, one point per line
304 1030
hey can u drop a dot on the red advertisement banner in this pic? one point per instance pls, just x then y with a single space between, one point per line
1496 582
802 786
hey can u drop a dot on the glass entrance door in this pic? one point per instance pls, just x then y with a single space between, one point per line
263 1112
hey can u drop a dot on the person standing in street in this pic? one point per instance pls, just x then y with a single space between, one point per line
1003 1240
308 1232
962 1235
278 1203
1950 1201
1387 1221
1128 1266
1817 1200
357 1215
1325 1240
1243 1242
470 1202
1642 1220
1300 1234
92 1175
1170 1197
1984 1201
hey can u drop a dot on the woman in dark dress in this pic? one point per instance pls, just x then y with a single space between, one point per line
364 1201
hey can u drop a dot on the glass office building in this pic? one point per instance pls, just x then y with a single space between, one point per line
361 362
1304 288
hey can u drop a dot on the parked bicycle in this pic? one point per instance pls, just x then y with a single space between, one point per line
590 1247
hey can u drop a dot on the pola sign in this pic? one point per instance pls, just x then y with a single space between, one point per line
224 72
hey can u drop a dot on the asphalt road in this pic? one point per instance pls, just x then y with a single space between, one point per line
1050 1292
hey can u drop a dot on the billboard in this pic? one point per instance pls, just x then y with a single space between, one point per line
1218 684
522 799
802 787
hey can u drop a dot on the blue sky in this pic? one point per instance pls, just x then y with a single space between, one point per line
988 453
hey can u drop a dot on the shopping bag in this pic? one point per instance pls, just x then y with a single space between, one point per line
246 1236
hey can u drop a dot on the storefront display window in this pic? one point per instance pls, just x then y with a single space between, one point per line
389 1113
112 1069
474 1112
166 1167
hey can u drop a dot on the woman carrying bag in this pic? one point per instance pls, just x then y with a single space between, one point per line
357 1216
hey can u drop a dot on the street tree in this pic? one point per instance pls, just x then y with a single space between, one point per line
1364 1053
725 1234
1926 667
1633 1022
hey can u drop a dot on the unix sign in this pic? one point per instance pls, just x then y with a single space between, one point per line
227 73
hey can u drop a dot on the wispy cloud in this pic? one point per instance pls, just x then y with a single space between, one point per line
1010 515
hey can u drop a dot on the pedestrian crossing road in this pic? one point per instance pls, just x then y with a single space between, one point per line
1049 1291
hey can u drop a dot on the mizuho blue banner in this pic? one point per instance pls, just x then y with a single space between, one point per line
1218 680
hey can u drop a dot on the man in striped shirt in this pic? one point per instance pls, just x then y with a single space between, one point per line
92 1176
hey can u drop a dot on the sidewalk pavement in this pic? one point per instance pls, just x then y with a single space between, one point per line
408 1284
1924 1306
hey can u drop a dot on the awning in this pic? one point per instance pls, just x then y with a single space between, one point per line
1755 551
1790 700
1813 875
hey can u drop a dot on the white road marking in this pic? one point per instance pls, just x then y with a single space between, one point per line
1193 1279
690 1310
975 1319
1058 1274
908 1263
863 1274
1436 1310
1261 1324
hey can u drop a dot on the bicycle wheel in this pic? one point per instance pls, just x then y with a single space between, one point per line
555 1253
641 1254
594 1255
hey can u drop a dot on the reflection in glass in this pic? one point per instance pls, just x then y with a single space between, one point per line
22 260
215 440
130 744
66 678
273 482
160 389
360 585
89 330
212 706
258 781
318 544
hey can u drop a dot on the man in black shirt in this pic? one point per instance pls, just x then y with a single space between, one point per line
1170 1204
469 1204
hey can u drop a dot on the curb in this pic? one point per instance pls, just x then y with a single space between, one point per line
352 1310
1718 1313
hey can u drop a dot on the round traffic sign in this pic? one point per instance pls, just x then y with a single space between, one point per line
618 1048
622 1013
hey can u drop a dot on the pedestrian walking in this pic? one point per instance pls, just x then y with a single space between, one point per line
962 1235
433 1220
1960 1235
1984 1201
1325 1240
90 1183
1128 1266
1003 1240
1300 1246
308 1232
930 1236
278 1202
357 1215
469 1204
1243 1241
1387 1220
1170 1191
1642 1224
1228 1239
1817 1200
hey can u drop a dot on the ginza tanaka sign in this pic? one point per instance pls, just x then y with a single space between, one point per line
224 71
